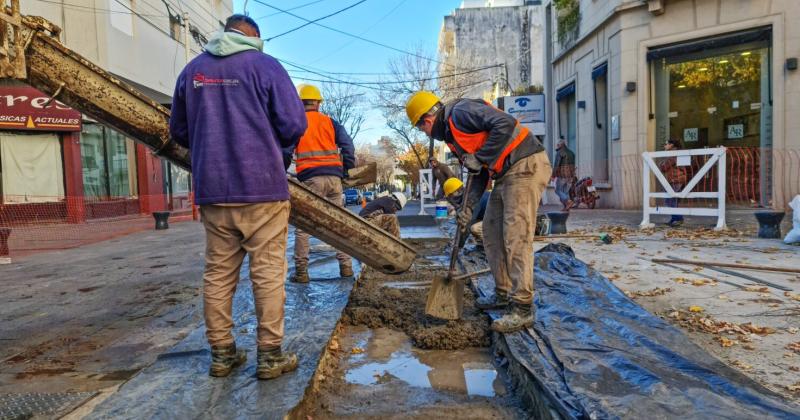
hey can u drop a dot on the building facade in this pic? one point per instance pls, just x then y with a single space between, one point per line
492 48
57 165
623 77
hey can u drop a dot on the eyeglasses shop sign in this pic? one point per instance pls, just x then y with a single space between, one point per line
25 108
526 109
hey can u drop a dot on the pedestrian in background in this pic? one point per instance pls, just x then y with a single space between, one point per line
323 156
564 173
235 108
676 176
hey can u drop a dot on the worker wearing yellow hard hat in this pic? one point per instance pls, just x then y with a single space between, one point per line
323 156
451 186
490 143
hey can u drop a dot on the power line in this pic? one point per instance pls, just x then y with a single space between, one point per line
292 8
349 34
397 6
425 79
316 20
96 9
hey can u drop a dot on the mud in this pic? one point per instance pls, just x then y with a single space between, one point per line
398 302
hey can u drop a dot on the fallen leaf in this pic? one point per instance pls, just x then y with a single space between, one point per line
793 330
356 350
741 365
726 342
794 388
795 347
695 309
658 291
748 346
759 289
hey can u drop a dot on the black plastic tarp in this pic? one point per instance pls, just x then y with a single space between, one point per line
597 354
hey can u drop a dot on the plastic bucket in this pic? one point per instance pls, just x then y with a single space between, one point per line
441 209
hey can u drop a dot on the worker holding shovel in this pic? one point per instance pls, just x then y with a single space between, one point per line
491 143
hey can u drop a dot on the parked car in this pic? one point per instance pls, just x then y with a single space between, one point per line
351 196
369 195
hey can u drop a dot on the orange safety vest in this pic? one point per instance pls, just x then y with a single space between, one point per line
317 147
472 142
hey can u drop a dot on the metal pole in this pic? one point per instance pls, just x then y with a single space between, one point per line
186 45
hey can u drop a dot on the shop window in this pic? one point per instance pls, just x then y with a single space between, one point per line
178 184
31 169
600 145
109 165
567 117
717 92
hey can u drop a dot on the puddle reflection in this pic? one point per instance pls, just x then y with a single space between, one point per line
389 356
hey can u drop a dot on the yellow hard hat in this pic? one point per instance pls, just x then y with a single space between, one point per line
419 104
309 92
451 185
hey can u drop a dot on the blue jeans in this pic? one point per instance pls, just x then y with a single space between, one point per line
563 186
673 202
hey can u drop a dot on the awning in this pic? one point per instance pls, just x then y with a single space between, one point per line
565 91
720 41
600 70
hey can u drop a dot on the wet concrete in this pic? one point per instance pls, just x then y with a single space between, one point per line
378 373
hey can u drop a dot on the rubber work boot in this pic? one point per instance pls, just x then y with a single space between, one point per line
273 363
300 274
517 318
496 301
224 359
345 271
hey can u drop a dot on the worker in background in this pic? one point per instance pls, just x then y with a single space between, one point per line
381 212
491 144
454 192
323 156
235 108
564 173
441 174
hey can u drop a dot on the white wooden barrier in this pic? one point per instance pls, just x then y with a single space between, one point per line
426 192
717 156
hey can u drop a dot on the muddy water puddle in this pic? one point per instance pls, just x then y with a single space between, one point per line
383 354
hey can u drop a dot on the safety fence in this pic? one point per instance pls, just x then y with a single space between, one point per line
38 223
754 177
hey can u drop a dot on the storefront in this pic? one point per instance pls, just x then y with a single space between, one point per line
57 166
717 91
33 185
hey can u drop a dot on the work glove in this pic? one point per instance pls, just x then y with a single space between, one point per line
472 164
464 216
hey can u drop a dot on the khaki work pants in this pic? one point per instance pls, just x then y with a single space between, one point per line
477 231
329 187
387 222
510 223
260 231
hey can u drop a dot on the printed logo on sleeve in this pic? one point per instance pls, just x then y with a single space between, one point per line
200 80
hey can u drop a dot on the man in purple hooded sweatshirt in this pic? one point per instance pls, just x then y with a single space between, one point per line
235 108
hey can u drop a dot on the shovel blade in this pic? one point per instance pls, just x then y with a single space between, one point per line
446 298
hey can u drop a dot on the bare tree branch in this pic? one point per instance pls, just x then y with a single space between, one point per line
345 104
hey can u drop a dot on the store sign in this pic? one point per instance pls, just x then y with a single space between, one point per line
736 131
25 108
526 109
690 135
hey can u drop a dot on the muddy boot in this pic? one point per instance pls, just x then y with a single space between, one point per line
498 300
517 318
224 359
345 271
300 273
273 363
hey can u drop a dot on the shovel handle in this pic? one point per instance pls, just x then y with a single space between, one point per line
470 275
459 228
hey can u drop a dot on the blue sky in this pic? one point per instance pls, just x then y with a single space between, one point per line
402 24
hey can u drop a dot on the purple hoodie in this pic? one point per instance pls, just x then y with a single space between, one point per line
235 113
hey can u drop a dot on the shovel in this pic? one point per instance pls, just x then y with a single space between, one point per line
446 297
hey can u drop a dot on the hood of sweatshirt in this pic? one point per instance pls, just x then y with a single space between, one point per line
223 44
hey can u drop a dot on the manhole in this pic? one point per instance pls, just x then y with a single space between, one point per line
25 406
